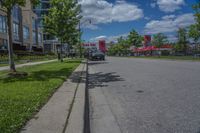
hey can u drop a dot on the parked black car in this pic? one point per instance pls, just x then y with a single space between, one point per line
97 55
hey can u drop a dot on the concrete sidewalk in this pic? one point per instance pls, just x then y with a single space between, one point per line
26 64
64 112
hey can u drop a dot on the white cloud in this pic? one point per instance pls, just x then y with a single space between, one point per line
90 26
167 17
147 18
170 5
100 37
153 5
101 11
108 38
169 23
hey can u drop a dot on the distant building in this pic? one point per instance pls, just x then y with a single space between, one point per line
3 30
50 41
27 36
148 49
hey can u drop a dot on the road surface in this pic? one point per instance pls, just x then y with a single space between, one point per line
129 95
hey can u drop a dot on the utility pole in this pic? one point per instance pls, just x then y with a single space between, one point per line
80 46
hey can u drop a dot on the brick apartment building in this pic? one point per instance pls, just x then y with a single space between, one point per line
27 36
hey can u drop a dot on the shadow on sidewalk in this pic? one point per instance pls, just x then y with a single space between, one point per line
75 77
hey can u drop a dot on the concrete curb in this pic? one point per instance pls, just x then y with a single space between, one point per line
64 112
76 120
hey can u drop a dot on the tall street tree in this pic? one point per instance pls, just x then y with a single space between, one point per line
182 40
194 33
8 6
134 39
194 30
62 21
159 40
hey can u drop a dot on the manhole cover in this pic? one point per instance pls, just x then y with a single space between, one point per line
139 91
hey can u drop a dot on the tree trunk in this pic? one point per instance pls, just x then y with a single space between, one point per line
61 46
10 41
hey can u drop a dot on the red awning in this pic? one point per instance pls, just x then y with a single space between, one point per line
147 48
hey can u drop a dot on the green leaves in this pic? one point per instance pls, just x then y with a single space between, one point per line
9 4
181 45
159 39
123 45
134 39
194 32
63 19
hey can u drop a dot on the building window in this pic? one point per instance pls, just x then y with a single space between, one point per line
2 24
33 24
3 44
34 37
16 31
16 14
26 33
40 37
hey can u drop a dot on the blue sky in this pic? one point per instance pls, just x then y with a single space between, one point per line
111 19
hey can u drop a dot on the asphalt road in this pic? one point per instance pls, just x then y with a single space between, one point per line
129 95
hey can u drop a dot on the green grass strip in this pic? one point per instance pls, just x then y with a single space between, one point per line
20 98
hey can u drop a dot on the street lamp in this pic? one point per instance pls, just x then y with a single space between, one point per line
80 45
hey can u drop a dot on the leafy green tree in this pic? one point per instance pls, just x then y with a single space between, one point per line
196 8
182 40
194 33
123 45
134 39
194 30
159 39
8 6
62 21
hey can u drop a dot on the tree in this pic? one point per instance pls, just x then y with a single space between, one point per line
134 39
196 8
159 39
8 6
194 30
62 21
194 33
182 40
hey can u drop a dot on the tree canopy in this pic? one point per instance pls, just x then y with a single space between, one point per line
63 19
181 45
134 39
159 39
9 4
194 29
122 47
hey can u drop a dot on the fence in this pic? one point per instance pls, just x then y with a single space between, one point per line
25 57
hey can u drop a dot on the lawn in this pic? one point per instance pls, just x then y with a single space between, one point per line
26 59
21 97
169 57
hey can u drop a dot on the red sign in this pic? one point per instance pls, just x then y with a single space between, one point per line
102 45
147 40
